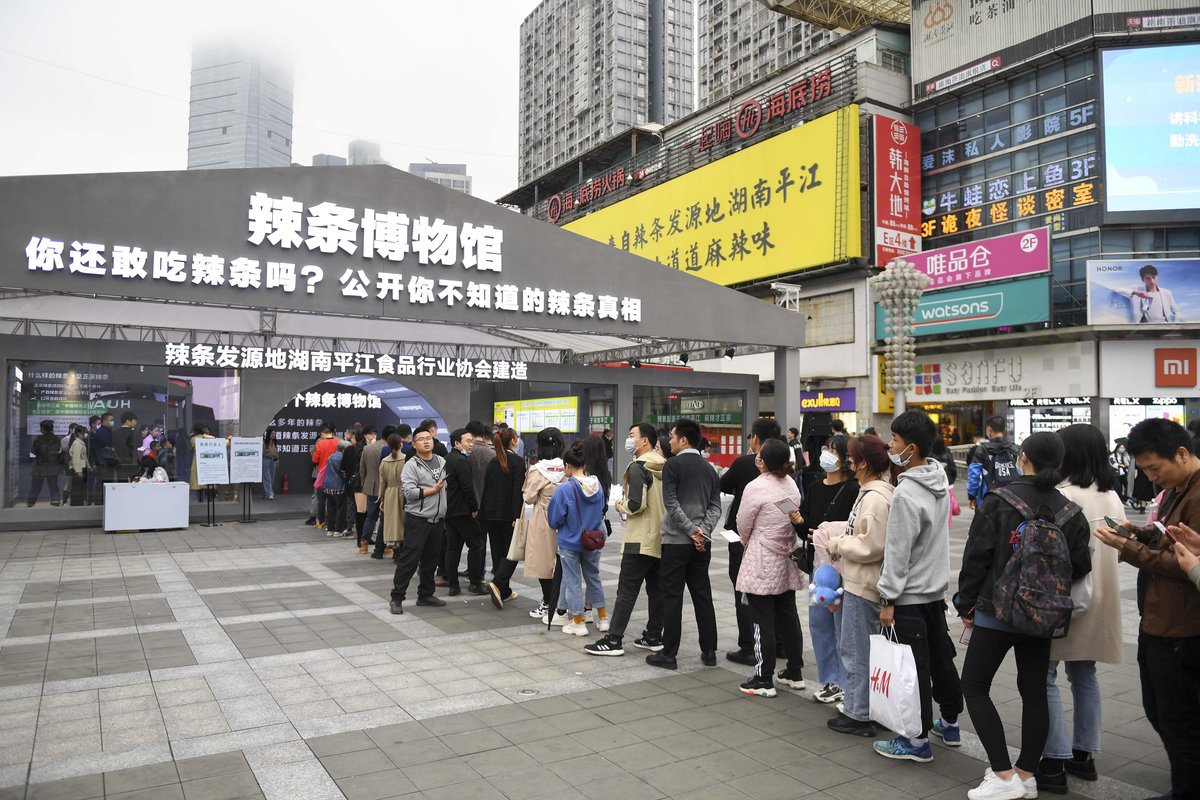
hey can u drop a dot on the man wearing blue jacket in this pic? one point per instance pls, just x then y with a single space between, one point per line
993 463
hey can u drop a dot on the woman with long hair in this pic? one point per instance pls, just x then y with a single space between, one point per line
1095 635
990 546
859 552
578 506
270 459
500 508
828 499
541 541
768 578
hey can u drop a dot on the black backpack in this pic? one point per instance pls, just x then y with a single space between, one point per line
1000 465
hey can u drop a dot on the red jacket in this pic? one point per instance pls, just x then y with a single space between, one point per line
323 449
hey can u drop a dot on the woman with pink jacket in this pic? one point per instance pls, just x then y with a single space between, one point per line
768 578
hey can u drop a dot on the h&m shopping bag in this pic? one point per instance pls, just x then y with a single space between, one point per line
895 701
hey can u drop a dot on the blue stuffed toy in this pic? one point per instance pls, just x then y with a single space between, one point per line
826 588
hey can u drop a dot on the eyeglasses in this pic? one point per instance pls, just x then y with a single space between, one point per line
423 439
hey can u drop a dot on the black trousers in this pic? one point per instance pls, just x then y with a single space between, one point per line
79 488
35 488
420 554
745 620
985 654
464 531
335 512
683 565
1170 673
636 569
499 533
923 628
775 616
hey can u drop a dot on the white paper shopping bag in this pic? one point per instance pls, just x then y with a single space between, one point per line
895 701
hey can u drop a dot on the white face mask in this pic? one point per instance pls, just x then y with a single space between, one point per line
897 460
829 462
629 445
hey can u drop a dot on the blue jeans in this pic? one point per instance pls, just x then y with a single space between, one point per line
1085 690
368 532
825 630
269 478
580 568
860 619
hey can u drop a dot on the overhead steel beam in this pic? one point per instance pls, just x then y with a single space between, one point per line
843 15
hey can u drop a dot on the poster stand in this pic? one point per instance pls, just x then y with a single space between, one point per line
246 519
210 508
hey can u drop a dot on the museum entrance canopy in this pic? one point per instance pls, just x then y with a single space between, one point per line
364 260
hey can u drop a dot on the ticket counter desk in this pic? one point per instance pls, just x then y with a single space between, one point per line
145 506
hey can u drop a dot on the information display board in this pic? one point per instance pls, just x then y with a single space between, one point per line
530 416
212 461
245 459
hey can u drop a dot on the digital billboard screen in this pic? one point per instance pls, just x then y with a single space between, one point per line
1152 133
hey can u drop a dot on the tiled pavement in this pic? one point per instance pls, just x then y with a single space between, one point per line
260 661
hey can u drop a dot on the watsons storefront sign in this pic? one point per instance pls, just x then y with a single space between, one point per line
1021 302
828 400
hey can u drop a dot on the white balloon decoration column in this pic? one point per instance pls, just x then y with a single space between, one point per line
899 288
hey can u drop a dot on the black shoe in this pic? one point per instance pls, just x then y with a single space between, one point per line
397 606
605 646
476 588
430 601
1051 777
463 574
843 724
662 661
741 657
1083 768
758 687
497 597
648 643
455 591
310 521
709 658
377 555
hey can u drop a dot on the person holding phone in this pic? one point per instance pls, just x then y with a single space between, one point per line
1187 550
1169 641
423 484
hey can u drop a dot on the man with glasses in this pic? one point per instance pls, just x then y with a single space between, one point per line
423 482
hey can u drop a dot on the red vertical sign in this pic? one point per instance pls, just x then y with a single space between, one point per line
897 176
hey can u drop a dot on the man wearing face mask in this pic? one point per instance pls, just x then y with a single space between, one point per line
641 548
915 577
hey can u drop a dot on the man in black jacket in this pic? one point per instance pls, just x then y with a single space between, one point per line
692 501
126 442
734 482
462 507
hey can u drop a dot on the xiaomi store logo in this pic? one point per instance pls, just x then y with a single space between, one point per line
1175 366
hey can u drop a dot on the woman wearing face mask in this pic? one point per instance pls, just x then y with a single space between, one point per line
828 499
860 551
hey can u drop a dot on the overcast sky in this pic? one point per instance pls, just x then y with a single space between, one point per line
90 86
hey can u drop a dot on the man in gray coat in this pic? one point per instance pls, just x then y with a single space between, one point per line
368 468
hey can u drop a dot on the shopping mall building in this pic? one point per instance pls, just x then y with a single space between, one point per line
1055 156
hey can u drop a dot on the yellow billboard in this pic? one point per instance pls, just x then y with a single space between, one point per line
787 204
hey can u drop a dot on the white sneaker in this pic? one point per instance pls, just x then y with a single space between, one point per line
589 616
558 622
1030 784
538 612
575 629
602 625
993 788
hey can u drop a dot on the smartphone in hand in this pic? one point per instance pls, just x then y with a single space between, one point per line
1117 527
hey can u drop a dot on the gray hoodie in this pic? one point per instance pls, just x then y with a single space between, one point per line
417 476
916 556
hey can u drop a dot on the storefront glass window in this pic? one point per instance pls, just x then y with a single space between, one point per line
576 409
168 402
719 413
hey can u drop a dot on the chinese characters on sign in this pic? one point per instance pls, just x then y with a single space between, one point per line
234 357
385 238
1008 256
753 113
592 190
897 188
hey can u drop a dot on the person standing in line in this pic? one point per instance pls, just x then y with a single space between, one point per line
993 463
325 446
391 494
1169 639
913 583
596 464
692 506
270 461
482 453
423 483
1119 462
541 479
77 465
641 546
500 508
828 499
860 551
1095 634
352 466
740 474
577 506
368 467
462 509
768 578
127 441
333 486
47 464
999 529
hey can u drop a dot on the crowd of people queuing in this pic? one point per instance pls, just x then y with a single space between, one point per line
1039 575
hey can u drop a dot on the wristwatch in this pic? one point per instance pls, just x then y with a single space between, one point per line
884 602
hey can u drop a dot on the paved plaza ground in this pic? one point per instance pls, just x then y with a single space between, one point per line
261 661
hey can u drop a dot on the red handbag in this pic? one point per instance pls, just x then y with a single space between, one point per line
590 540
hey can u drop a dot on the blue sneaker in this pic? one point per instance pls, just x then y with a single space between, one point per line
902 749
951 735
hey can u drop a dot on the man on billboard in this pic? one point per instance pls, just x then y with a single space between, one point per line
1152 303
